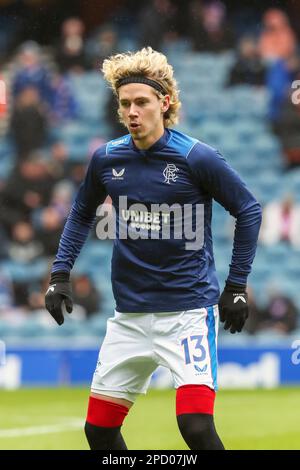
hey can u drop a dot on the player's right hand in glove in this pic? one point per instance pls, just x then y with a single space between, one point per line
233 307
59 291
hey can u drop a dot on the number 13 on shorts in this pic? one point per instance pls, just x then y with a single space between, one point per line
199 348
191 344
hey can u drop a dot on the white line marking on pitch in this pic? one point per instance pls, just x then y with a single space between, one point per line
74 425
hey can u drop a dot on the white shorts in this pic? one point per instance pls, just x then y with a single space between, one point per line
136 344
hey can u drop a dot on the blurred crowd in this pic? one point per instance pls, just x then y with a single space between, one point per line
39 189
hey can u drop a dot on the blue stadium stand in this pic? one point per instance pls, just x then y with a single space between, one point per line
19 271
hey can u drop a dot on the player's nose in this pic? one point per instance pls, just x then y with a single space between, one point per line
132 110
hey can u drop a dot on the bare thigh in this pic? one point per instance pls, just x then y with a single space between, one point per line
119 401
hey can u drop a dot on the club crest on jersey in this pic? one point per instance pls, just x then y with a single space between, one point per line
170 173
118 175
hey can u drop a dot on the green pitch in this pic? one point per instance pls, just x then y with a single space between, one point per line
53 419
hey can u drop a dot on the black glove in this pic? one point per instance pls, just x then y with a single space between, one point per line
233 307
58 291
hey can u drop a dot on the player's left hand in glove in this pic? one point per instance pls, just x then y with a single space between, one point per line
233 307
59 291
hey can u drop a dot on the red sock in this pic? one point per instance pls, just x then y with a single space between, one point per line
105 413
195 399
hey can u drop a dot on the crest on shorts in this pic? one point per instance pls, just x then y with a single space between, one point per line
201 370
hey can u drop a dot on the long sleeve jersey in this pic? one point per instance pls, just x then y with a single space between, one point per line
155 272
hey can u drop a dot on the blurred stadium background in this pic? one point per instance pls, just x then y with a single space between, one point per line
235 63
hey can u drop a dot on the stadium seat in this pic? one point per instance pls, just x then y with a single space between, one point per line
19 271
97 324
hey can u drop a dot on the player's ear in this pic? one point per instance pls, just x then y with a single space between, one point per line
165 103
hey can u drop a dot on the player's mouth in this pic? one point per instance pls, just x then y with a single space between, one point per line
133 126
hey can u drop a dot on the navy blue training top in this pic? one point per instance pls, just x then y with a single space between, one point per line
155 273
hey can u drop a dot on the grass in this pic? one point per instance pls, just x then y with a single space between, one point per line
53 419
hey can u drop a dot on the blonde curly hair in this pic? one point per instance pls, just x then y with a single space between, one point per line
150 64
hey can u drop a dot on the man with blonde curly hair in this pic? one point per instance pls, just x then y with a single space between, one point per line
164 279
